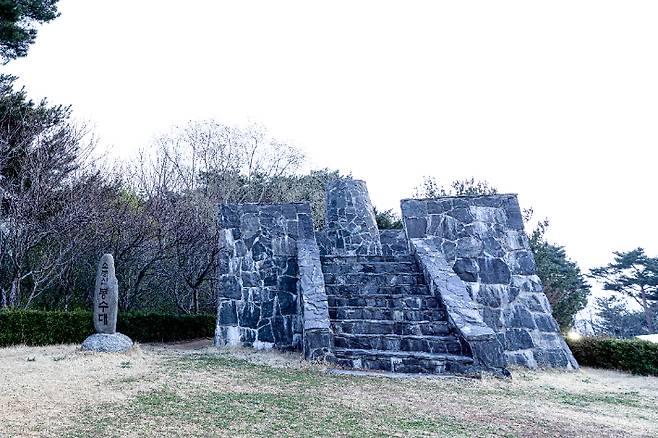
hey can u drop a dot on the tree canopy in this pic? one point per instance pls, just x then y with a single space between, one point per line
634 274
17 24
156 214
431 188
616 320
388 220
564 284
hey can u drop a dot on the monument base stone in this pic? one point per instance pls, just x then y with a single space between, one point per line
107 343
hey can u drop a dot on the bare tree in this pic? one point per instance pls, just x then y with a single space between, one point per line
157 214
171 244
43 212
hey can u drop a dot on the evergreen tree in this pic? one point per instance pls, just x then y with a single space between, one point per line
564 284
21 121
388 220
17 20
635 274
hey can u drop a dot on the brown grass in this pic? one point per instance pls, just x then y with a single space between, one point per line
179 390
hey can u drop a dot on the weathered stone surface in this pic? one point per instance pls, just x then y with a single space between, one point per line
350 226
482 238
461 309
467 269
258 292
317 331
271 289
106 296
354 294
394 242
385 317
107 343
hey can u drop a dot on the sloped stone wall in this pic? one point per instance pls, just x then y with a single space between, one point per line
317 336
350 226
483 240
271 293
462 310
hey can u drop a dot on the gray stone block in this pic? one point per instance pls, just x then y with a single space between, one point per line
107 343
493 271
394 242
416 227
467 269
227 314
518 339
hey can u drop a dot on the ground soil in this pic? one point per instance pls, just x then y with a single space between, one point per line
192 389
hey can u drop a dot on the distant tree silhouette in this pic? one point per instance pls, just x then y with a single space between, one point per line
614 319
635 274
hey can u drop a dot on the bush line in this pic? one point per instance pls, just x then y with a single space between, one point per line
40 327
632 355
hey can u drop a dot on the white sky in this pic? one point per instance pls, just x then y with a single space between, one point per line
556 101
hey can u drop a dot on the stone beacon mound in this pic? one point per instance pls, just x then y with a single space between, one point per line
454 291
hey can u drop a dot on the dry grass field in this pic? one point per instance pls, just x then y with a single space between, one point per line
182 391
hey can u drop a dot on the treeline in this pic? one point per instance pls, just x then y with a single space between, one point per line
63 206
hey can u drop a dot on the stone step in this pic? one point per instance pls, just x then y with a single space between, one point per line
390 301
358 290
380 327
401 362
426 344
385 313
371 268
350 260
372 280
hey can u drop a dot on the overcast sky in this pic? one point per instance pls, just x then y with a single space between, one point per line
556 101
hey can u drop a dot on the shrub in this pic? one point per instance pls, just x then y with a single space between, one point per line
37 327
633 355
162 327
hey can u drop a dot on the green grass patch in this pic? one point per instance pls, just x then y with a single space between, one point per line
283 402
613 399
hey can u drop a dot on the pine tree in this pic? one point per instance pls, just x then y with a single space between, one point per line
17 21
635 274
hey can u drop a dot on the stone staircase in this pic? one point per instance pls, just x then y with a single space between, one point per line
384 317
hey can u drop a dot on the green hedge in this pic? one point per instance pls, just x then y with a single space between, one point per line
37 327
633 355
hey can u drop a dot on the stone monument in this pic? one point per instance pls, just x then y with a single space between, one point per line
106 298
454 291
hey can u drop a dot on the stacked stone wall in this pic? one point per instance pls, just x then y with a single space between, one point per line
473 252
483 240
350 226
268 255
